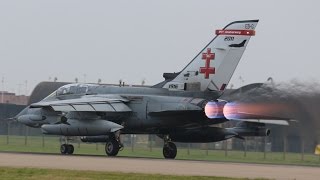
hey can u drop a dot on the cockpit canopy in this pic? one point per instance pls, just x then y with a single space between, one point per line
71 89
74 89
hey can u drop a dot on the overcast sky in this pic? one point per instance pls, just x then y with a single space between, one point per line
140 39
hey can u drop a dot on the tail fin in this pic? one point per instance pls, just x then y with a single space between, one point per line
213 67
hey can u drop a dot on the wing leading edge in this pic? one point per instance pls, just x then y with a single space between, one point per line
87 104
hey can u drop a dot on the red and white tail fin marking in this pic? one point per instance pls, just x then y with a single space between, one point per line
214 65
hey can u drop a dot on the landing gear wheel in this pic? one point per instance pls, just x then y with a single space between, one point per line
112 147
64 149
169 150
70 149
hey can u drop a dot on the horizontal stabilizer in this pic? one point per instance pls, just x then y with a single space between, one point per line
246 115
265 121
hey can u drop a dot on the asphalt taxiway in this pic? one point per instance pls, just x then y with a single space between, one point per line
158 166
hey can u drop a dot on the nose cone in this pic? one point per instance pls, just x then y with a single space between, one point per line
23 112
30 118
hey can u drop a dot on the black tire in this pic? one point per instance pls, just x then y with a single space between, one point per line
70 149
169 150
112 147
64 149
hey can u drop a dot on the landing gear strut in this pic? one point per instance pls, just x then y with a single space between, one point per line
113 144
169 148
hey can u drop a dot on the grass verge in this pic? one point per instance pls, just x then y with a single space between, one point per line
53 174
51 144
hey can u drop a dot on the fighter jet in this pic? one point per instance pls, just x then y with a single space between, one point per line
182 108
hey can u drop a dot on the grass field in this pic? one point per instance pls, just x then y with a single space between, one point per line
52 144
35 174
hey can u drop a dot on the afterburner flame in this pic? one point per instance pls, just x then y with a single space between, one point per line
235 110
214 110
230 110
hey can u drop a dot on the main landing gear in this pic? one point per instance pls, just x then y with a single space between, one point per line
113 144
66 148
169 148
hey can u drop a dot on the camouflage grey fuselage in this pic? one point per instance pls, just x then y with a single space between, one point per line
153 110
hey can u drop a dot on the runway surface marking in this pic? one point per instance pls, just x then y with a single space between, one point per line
159 166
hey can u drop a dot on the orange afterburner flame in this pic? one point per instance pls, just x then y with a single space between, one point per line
244 110
236 110
214 109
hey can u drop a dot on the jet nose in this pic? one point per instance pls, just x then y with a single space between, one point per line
23 112
29 118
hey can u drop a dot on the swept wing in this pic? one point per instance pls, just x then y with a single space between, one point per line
89 103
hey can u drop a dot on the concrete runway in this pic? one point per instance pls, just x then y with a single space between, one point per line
158 166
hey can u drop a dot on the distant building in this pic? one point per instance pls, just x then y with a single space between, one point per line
12 98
